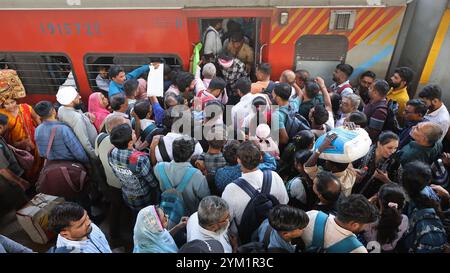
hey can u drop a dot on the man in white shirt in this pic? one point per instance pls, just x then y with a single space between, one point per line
212 41
75 230
354 213
211 222
437 112
249 157
242 109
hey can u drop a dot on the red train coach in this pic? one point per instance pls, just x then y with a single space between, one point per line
52 43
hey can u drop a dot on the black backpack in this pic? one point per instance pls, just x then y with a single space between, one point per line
294 122
258 208
268 90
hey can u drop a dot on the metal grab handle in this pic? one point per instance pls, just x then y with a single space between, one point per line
260 52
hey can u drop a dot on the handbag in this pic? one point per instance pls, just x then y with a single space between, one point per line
24 158
62 178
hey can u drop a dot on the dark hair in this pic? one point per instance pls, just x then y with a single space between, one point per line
391 217
336 100
382 87
233 26
115 70
3 119
230 152
173 77
43 109
303 140
244 85
130 86
320 114
142 108
214 22
62 214
346 68
283 90
302 156
311 88
302 74
386 137
324 181
431 92
419 106
116 101
249 154
369 74
217 83
225 56
359 118
217 139
265 68
416 176
184 80
184 147
356 208
287 218
237 36
121 135
406 73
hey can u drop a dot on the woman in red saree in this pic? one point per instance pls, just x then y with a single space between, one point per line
22 122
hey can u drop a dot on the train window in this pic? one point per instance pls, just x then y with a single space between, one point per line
320 53
40 73
94 62
342 20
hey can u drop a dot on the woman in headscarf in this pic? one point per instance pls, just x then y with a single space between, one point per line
97 106
22 122
151 234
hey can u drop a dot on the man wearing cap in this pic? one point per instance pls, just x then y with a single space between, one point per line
66 145
81 125
232 69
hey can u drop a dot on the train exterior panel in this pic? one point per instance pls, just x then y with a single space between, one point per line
436 67
81 35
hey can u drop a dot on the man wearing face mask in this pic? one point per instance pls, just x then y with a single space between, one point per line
80 123
399 83
211 222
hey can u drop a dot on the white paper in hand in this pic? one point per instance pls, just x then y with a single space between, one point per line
155 81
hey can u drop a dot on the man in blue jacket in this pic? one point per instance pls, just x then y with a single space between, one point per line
118 77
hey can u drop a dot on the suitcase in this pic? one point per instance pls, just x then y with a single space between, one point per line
33 217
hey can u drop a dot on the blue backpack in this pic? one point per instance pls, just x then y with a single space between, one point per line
172 202
345 245
426 233
258 208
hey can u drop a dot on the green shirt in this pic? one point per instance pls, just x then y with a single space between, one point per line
414 151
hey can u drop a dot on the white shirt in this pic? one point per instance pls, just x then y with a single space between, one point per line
213 43
168 141
102 152
441 117
96 242
237 199
242 109
196 232
333 232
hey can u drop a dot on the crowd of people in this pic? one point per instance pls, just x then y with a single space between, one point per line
224 164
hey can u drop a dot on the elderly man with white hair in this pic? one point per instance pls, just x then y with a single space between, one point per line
80 123
349 104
